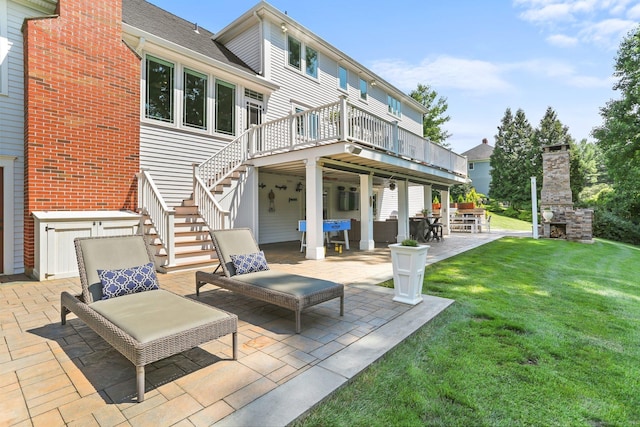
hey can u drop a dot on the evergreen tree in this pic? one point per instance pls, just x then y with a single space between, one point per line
511 162
436 117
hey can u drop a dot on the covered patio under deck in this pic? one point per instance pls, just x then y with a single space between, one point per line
360 165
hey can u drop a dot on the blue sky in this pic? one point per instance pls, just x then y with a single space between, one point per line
482 56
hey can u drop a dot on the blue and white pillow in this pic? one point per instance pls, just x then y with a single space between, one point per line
249 263
116 283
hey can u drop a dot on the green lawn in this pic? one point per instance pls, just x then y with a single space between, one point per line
543 332
506 223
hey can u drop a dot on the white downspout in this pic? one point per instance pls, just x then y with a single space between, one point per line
261 70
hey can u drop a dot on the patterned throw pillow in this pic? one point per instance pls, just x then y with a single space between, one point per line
116 283
249 263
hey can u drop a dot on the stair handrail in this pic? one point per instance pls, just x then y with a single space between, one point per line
209 209
151 203
220 165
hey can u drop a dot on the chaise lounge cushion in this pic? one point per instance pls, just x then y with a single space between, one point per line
249 263
298 286
147 316
116 283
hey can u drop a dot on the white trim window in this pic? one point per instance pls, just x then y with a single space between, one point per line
470 166
194 112
295 59
159 89
394 106
364 89
182 97
225 107
311 62
343 77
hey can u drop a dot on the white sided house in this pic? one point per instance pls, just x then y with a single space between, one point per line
259 125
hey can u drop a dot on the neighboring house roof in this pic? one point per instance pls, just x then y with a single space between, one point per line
154 20
479 152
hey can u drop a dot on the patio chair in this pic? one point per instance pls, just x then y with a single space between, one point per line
245 271
121 302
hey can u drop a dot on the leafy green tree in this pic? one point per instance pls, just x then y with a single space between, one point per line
619 135
433 121
511 164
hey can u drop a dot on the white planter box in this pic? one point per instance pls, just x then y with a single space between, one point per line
408 272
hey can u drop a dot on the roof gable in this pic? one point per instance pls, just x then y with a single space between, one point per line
154 20
479 152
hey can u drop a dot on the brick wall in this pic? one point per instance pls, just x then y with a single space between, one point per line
82 113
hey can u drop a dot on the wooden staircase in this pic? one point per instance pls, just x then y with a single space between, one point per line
193 246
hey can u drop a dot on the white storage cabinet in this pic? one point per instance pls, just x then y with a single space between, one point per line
55 256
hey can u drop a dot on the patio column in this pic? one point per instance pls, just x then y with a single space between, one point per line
366 213
428 196
444 210
403 211
315 236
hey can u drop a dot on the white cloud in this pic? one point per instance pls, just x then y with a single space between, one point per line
444 72
596 22
634 12
548 12
607 33
561 40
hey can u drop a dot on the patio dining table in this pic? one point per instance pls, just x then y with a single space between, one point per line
423 229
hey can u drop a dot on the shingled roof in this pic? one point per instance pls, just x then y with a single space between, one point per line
479 152
154 20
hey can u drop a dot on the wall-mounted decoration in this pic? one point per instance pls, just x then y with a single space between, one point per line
272 201
293 199
281 187
299 187
262 185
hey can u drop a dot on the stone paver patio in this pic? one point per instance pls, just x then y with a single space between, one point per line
54 375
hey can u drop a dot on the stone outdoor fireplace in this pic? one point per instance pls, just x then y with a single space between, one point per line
566 222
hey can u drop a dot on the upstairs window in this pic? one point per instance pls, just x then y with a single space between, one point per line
364 86
295 53
159 96
225 107
394 106
343 76
195 99
308 62
470 166
312 62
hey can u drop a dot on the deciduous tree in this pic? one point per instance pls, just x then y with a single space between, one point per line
436 117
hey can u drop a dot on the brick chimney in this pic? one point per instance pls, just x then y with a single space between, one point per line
556 195
82 113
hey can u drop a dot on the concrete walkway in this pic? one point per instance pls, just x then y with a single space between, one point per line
54 375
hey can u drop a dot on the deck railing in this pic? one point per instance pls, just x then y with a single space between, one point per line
338 121
151 204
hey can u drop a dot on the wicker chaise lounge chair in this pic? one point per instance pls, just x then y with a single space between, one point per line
282 289
145 323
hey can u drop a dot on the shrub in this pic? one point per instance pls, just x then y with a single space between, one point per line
607 225
409 242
